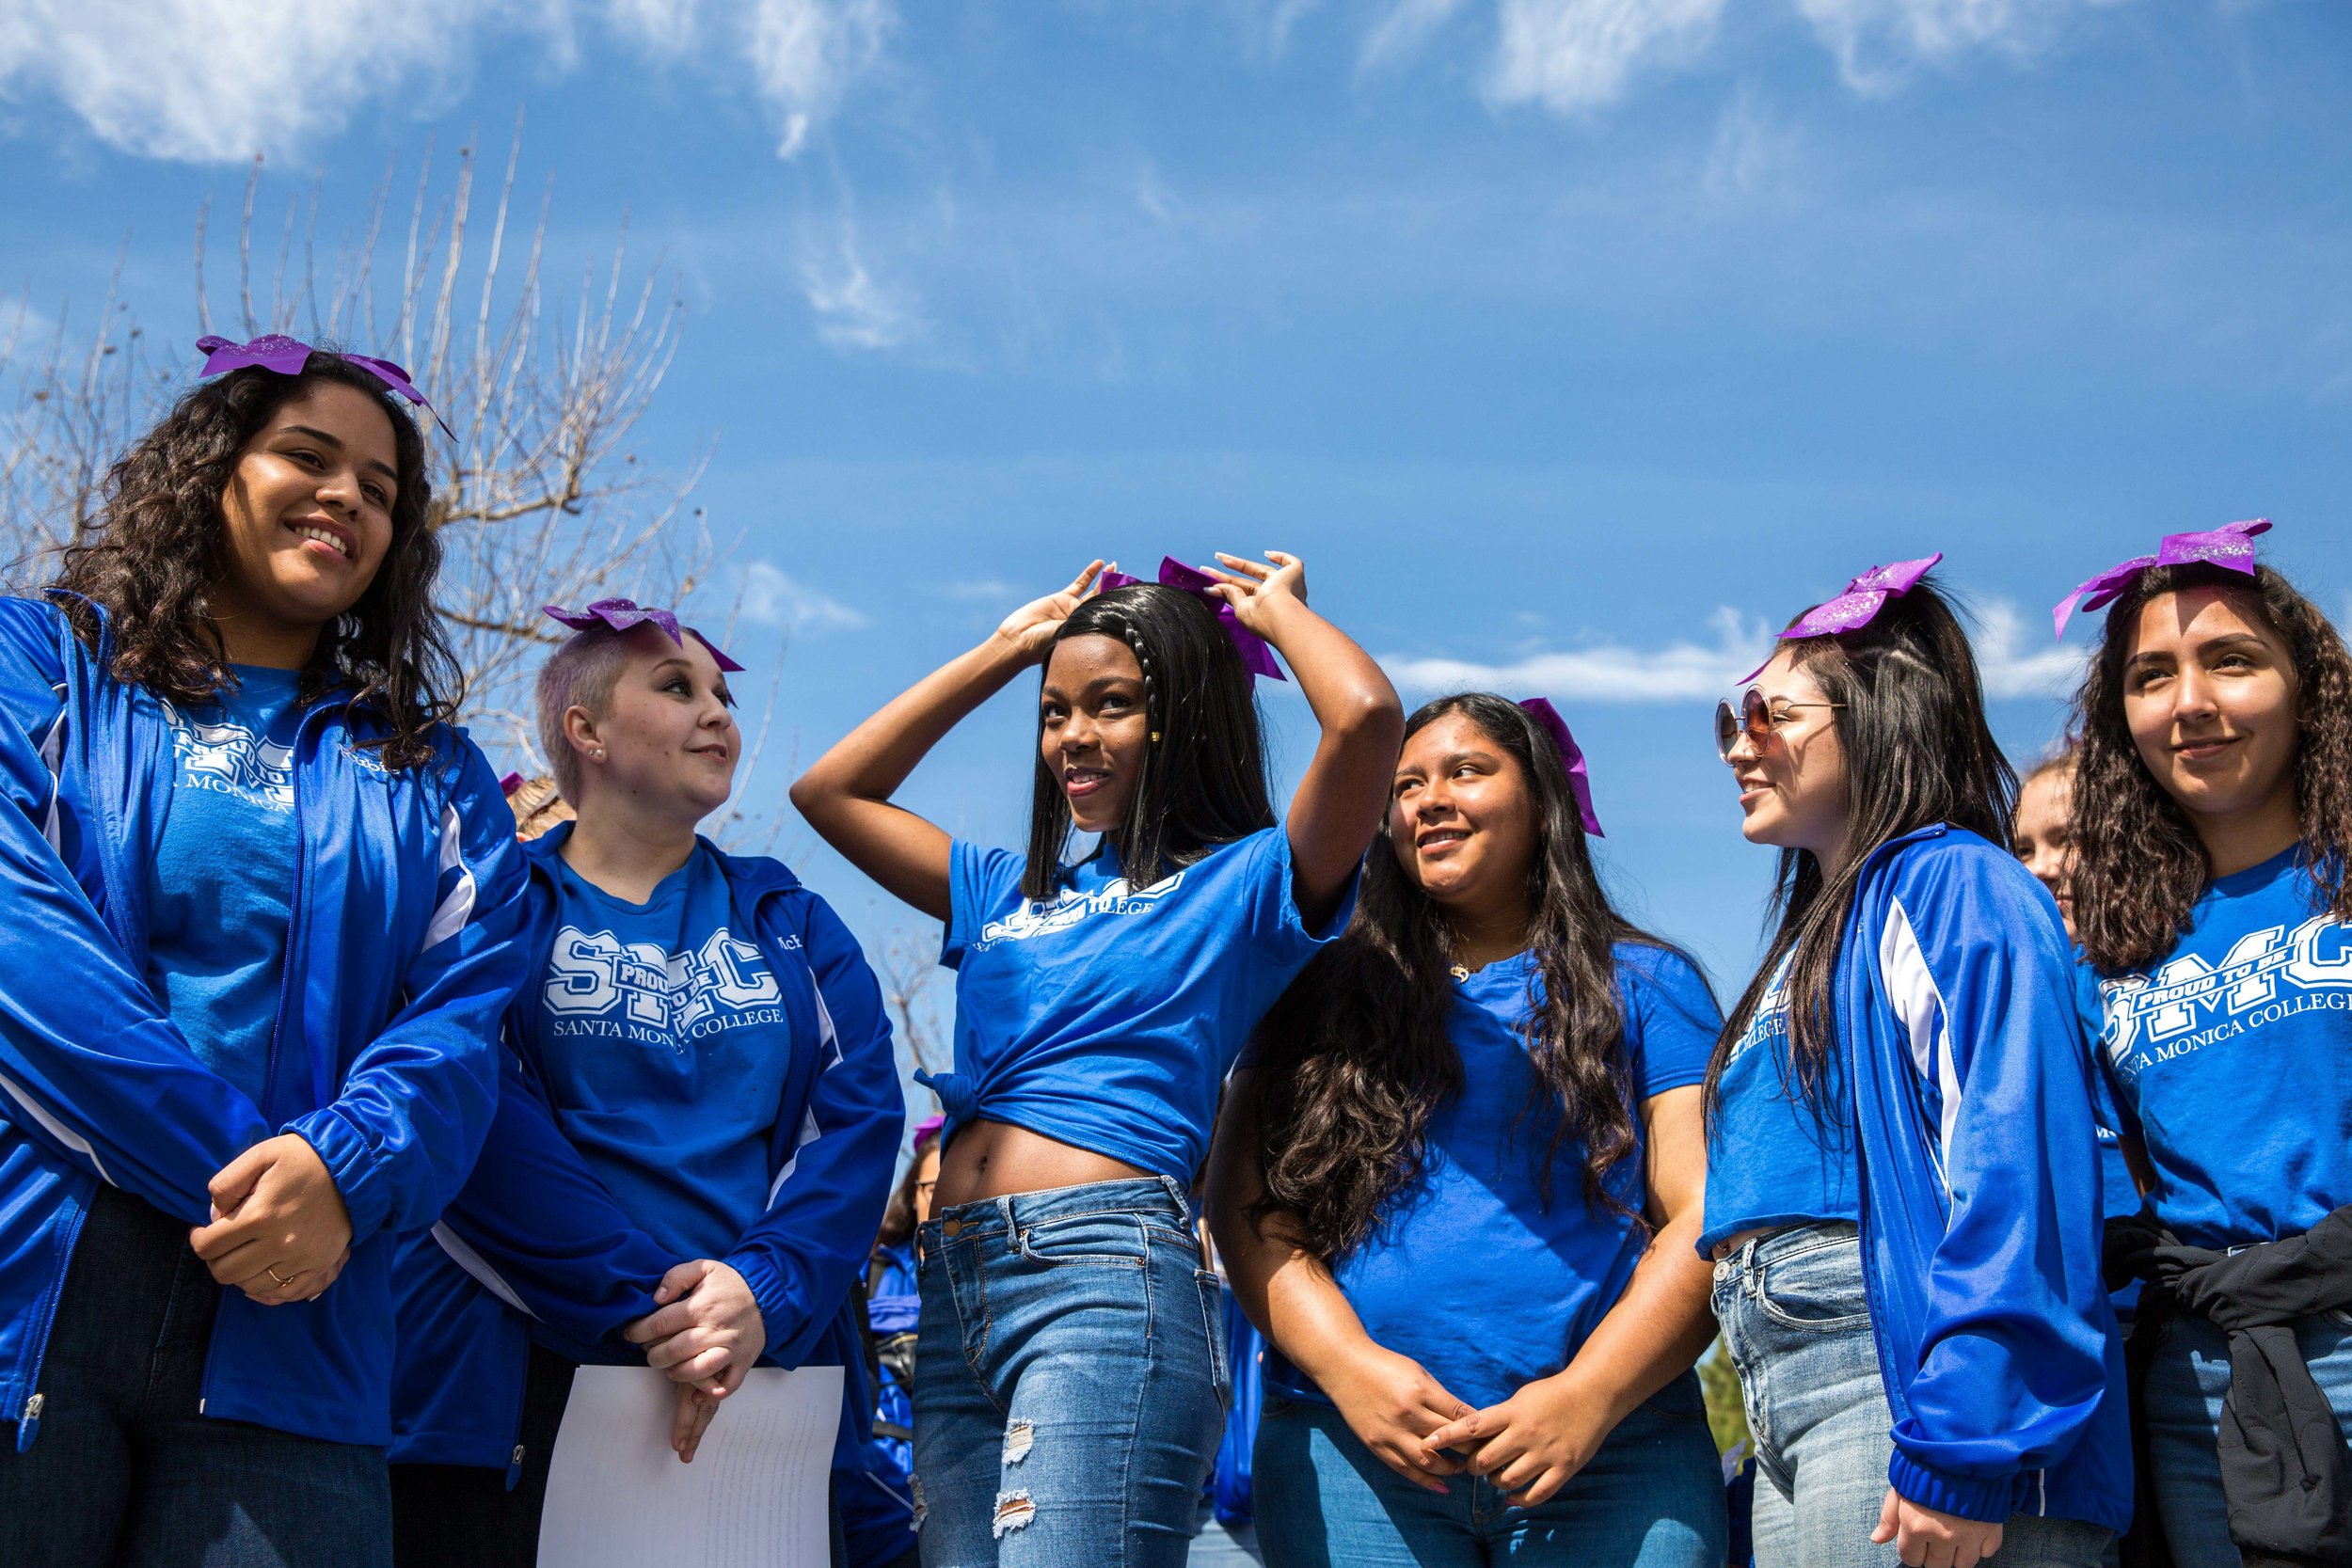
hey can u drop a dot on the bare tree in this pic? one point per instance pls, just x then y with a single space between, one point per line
542 498
908 968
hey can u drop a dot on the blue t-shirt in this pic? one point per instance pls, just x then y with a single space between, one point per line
220 882
1107 1018
2233 1058
1772 1160
1470 1273
663 1044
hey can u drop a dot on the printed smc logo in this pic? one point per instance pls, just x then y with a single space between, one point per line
1036 919
229 759
722 982
2191 1003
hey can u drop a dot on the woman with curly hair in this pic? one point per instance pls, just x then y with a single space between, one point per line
1459 1186
258 913
1070 1378
1902 1187
2213 814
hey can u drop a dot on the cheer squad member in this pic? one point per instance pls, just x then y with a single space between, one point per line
1460 1189
1070 1383
259 899
702 1111
2213 811
1908 1055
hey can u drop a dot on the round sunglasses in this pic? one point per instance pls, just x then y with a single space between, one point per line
1753 718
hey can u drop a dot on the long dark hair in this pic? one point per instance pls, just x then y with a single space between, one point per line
2140 865
153 556
1918 751
1203 781
897 1224
1354 1056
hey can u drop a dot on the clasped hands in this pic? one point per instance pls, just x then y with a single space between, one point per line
704 1335
1529 1445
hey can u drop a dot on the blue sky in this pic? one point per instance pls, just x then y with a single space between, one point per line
1570 341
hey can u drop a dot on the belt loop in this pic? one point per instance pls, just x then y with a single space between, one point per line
1184 1203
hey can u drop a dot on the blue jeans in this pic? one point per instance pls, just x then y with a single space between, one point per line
1070 1381
2182 1401
1796 1318
1652 1497
127 1472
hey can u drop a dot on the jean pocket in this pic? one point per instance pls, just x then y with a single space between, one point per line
1820 1291
1105 1239
1213 1320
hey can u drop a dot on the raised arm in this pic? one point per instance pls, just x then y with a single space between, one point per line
1535 1441
846 795
1388 1400
1344 794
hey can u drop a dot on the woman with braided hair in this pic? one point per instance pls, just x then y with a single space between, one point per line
1070 1385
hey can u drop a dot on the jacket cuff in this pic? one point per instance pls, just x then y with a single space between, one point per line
352 1162
1988 1502
779 1315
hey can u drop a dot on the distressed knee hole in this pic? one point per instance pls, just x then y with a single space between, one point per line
1014 1510
1019 1437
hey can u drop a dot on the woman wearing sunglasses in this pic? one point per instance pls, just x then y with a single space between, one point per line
1902 1194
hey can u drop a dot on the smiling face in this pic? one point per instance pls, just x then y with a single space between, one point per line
1092 728
2210 698
1792 785
667 735
307 518
2043 835
1462 819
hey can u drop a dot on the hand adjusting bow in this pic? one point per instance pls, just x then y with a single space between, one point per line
1256 657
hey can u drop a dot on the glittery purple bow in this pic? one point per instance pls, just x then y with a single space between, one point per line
623 615
509 783
287 355
1256 657
1854 608
1571 757
2231 545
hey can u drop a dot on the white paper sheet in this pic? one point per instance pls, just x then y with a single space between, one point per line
755 1496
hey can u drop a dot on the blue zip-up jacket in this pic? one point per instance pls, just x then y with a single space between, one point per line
535 1242
401 954
1980 1191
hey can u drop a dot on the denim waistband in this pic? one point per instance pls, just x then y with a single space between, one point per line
1792 1240
1149 1195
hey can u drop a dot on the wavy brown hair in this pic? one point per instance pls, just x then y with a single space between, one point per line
151 557
1918 751
2139 864
1353 1058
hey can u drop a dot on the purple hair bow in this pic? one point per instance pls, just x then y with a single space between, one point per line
626 614
2231 545
1571 757
1859 605
286 356
1256 657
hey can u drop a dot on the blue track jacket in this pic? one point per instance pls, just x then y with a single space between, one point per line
401 954
1980 1204
535 1243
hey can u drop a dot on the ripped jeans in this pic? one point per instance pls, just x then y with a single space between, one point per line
1069 1380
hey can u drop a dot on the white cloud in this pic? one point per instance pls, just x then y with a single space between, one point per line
1573 54
214 81
1752 150
1403 29
1876 40
1606 672
2012 660
773 598
853 309
807 53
